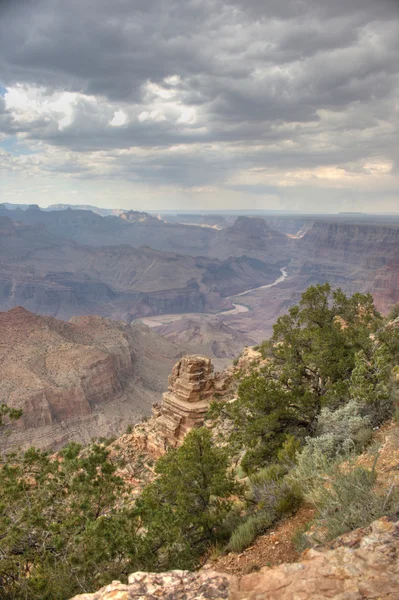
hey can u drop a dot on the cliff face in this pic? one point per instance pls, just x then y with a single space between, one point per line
87 227
89 371
251 236
343 241
361 565
357 257
290 225
385 287
57 277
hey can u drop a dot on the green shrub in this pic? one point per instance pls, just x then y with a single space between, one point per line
371 384
273 493
363 437
288 451
247 531
271 496
300 539
337 430
242 537
351 501
394 312
271 473
312 471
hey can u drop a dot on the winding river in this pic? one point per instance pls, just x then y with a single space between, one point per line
238 308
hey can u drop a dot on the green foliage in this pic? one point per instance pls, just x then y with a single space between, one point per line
337 431
59 529
389 336
67 524
311 356
394 312
185 509
311 472
351 501
270 496
371 384
317 341
264 416
248 531
274 493
288 451
11 413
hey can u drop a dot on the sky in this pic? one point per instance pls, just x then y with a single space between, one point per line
201 104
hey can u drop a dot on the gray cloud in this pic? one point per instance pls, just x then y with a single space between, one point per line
299 84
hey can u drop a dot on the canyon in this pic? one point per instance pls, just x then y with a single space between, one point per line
135 265
55 276
77 380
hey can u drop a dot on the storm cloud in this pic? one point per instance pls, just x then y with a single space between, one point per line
288 103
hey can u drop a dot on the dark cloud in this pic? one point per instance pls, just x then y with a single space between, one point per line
271 83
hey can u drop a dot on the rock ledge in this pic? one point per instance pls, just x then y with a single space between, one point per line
363 564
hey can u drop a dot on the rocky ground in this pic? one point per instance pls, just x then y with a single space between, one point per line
362 565
274 548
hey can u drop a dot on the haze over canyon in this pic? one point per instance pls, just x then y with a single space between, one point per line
78 356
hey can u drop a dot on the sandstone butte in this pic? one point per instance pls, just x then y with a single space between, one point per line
192 384
363 564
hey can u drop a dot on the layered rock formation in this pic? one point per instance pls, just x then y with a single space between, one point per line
192 385
361 565
252 236
77 380
87 227
50 275
135 216
185 404
359 257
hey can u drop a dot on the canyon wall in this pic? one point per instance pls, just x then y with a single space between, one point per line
77 380
357 257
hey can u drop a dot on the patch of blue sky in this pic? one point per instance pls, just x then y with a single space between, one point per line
12 145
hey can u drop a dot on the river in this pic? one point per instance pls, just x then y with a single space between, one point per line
238 308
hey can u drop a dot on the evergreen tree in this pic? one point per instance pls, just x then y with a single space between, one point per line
310 356
61 532
184 510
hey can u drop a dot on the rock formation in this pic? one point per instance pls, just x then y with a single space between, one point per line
186 402
135 216
78 380
192 384
361 565
206 335
252 236
358 257
48 274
